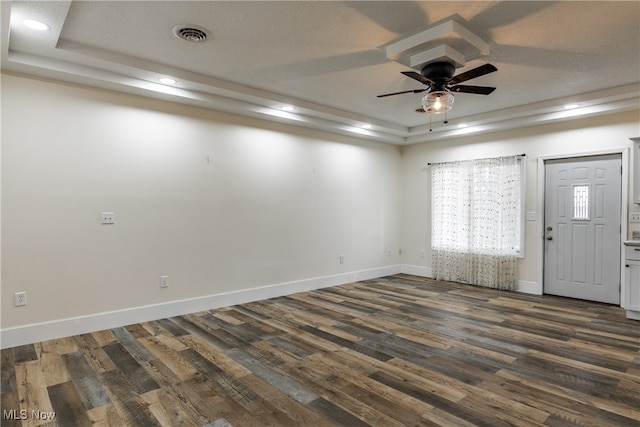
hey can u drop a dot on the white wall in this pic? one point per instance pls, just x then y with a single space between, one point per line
230 208
578 136
218 203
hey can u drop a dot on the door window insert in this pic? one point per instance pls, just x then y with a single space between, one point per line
581 206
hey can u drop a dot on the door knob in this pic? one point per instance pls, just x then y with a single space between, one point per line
549 228
549 238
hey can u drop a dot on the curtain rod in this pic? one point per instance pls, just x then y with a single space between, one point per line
484 158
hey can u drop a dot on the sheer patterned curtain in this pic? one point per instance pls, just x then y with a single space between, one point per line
476 221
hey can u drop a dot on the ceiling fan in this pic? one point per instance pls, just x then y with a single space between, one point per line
440 81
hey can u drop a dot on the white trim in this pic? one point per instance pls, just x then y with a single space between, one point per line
44 331
522 286
416 270
636 168
624 153
631 314
527 287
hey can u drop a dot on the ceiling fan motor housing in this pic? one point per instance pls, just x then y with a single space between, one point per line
436 71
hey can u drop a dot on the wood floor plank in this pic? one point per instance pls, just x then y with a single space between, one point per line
178 392
592 399
94 354
171 358
558 407
172 327
130 344
105 416
65 345
391 351
32 391
9 399
103 338
226 363
297 412
52 365
200 394
86 380
25 353
131 407
166 410
137 377
67 405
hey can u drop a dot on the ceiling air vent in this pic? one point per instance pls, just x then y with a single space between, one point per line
190 33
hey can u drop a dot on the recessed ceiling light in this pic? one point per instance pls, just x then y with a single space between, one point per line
365 125
35 25
570 106
167 81
356 129
288 108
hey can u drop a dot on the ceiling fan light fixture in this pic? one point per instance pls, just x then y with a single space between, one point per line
437 102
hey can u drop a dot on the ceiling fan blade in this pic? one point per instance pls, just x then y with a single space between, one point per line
419 77
404 91
479 90
472 74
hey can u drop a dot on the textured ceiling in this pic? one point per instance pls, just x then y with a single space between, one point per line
328 58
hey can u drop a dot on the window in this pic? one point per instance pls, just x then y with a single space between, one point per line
580 202
475 202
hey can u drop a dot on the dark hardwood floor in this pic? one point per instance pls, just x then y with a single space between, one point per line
395 351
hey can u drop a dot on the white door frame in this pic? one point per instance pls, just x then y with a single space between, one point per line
624 152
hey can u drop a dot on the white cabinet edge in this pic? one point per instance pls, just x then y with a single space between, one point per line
636 169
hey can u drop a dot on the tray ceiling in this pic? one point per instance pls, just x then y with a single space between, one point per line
329 60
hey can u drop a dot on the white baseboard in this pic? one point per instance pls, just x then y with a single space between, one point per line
416 270
522 285
631 314
27 334
529 287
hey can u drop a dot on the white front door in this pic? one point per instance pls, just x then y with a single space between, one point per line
582 228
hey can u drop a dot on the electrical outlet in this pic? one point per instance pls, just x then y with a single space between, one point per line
422 253
341 259
634 217
20 298
389 252
107 218
164 281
